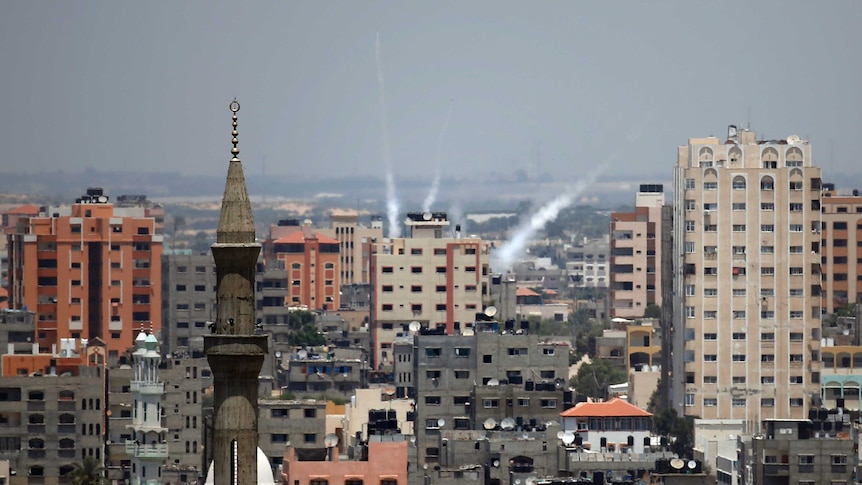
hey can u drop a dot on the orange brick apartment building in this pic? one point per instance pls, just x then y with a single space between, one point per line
89 270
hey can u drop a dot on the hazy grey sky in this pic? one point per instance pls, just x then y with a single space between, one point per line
146 85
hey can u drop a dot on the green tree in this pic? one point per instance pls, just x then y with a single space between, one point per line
87 472
678 429
303 331
652 311
593 379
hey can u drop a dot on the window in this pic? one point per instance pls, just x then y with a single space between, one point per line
767 270
767 336
689 226
767 228
490 403
432 352
386 307
738 335
387 288
689 312
386 269
690 205
710 186
710 357
689 247
439 251
739 228
767 206
738 206
738 357
549 403
795 185
795 357
739 291
738 402
767 402
689 184
416 251
795 271
767 249
710 336
462 352
710 314
689 290
838 459
769 380
795 249
441 270
416 269
796 292
440 307
517 351
710 402
710 379
796 314
796 379
432 400
689 399
796 228
739 314
416 288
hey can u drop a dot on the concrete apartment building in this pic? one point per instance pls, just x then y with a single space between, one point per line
89 270
793 451
635 270
841 248
587 264
478 380
188 300
17 328
747 305
438 281
48 423
290 423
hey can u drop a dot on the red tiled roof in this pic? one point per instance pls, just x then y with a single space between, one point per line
613 408
525 292
298 237
24 210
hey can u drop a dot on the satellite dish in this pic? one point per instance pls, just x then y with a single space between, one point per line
490 311
426 216
302 354
330 440
468 332
532 480
277 354
441 422
507 424
414 326
793 140
490 424
517 481
568 438
677 464
692 464
560 434
495 463
493 382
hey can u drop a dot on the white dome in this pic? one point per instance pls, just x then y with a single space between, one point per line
264 471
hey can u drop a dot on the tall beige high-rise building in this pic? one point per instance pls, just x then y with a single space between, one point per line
747 253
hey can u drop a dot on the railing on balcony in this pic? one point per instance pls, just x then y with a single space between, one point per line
143 450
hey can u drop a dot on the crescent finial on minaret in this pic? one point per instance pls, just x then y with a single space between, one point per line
236 224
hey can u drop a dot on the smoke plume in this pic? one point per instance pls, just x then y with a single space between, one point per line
503 258
392 204
435 184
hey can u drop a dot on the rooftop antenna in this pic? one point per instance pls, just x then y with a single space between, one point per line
748 122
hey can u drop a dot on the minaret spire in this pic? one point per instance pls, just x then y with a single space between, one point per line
234 352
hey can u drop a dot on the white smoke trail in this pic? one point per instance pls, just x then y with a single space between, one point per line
392 205
503 258
435 184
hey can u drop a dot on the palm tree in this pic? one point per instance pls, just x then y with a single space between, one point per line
87 472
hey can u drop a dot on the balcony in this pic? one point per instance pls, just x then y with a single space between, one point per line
147 388
155 451
776 469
